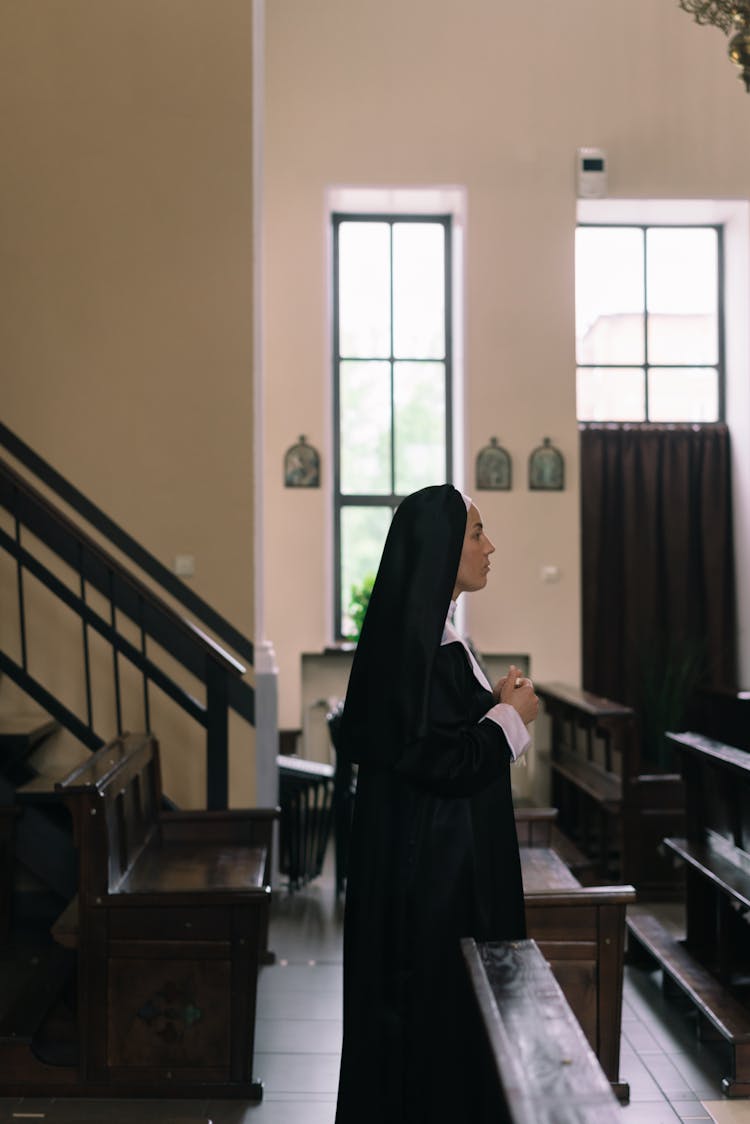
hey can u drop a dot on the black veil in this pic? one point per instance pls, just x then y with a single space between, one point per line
387 697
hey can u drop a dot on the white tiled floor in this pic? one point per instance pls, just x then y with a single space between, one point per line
298 1042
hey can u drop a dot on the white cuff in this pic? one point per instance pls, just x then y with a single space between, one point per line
512 725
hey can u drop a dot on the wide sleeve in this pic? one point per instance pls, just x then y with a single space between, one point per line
459 754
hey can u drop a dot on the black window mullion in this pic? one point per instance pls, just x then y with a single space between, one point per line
720 352
448 348
645 323
337 591
392 370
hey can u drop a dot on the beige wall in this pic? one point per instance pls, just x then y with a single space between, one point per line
494 98
126 244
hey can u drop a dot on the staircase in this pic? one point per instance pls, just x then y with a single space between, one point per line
144 618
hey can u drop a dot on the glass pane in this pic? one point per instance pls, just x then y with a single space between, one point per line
419 290
365 428
363 531
609 295
364 289
689 394
611 394
419 402
682 289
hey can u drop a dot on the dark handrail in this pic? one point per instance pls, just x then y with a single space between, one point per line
62 536
128 545
198 653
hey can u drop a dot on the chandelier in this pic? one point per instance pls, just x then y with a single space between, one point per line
729 15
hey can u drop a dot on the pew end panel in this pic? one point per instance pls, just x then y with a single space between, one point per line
171 926
580 931
582 936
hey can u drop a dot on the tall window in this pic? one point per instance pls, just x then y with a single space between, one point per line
649 335
392 381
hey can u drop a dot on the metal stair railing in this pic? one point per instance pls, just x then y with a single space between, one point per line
127 597
147 563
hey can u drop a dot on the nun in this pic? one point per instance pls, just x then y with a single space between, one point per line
434 854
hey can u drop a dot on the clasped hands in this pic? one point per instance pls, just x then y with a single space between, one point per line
518 692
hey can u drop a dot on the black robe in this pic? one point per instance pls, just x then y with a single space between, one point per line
434 857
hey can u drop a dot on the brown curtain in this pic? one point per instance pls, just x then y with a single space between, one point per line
657 561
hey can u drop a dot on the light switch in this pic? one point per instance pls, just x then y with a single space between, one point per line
550 573
184 565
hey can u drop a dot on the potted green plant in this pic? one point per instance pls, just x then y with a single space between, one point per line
359 599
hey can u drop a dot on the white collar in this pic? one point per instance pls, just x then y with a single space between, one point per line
451 635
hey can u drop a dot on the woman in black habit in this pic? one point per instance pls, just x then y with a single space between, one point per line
434 855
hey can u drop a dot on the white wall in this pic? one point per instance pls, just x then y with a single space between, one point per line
494 98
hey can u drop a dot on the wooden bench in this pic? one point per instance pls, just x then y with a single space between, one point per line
543 1062
711 963
722 713
306 800
612 810
534 825
580 930
8 817
170 924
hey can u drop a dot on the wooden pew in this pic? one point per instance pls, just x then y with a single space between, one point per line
8 816
544 1065
580 930
613 811
306 800
534 825
711 964
170 924
722 713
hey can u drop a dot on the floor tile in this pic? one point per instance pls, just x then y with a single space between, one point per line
298 1073
275 1112
703 1070
690 1110
643 1086
301 977
640 1037
729 1112
653 1113
298 1036
300 1005
669 1079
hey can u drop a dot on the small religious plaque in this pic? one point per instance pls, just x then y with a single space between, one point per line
302 466
546 468
493 468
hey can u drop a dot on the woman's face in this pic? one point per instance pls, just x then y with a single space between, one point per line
474 564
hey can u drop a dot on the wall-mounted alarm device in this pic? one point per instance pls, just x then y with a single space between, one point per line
591 173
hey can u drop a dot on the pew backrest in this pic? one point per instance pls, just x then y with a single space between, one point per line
540 1054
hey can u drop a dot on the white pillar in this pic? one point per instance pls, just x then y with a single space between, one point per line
266 724
266 668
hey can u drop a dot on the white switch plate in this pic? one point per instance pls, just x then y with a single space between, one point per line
550 573
184 565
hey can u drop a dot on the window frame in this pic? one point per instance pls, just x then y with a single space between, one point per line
385 499
720 365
